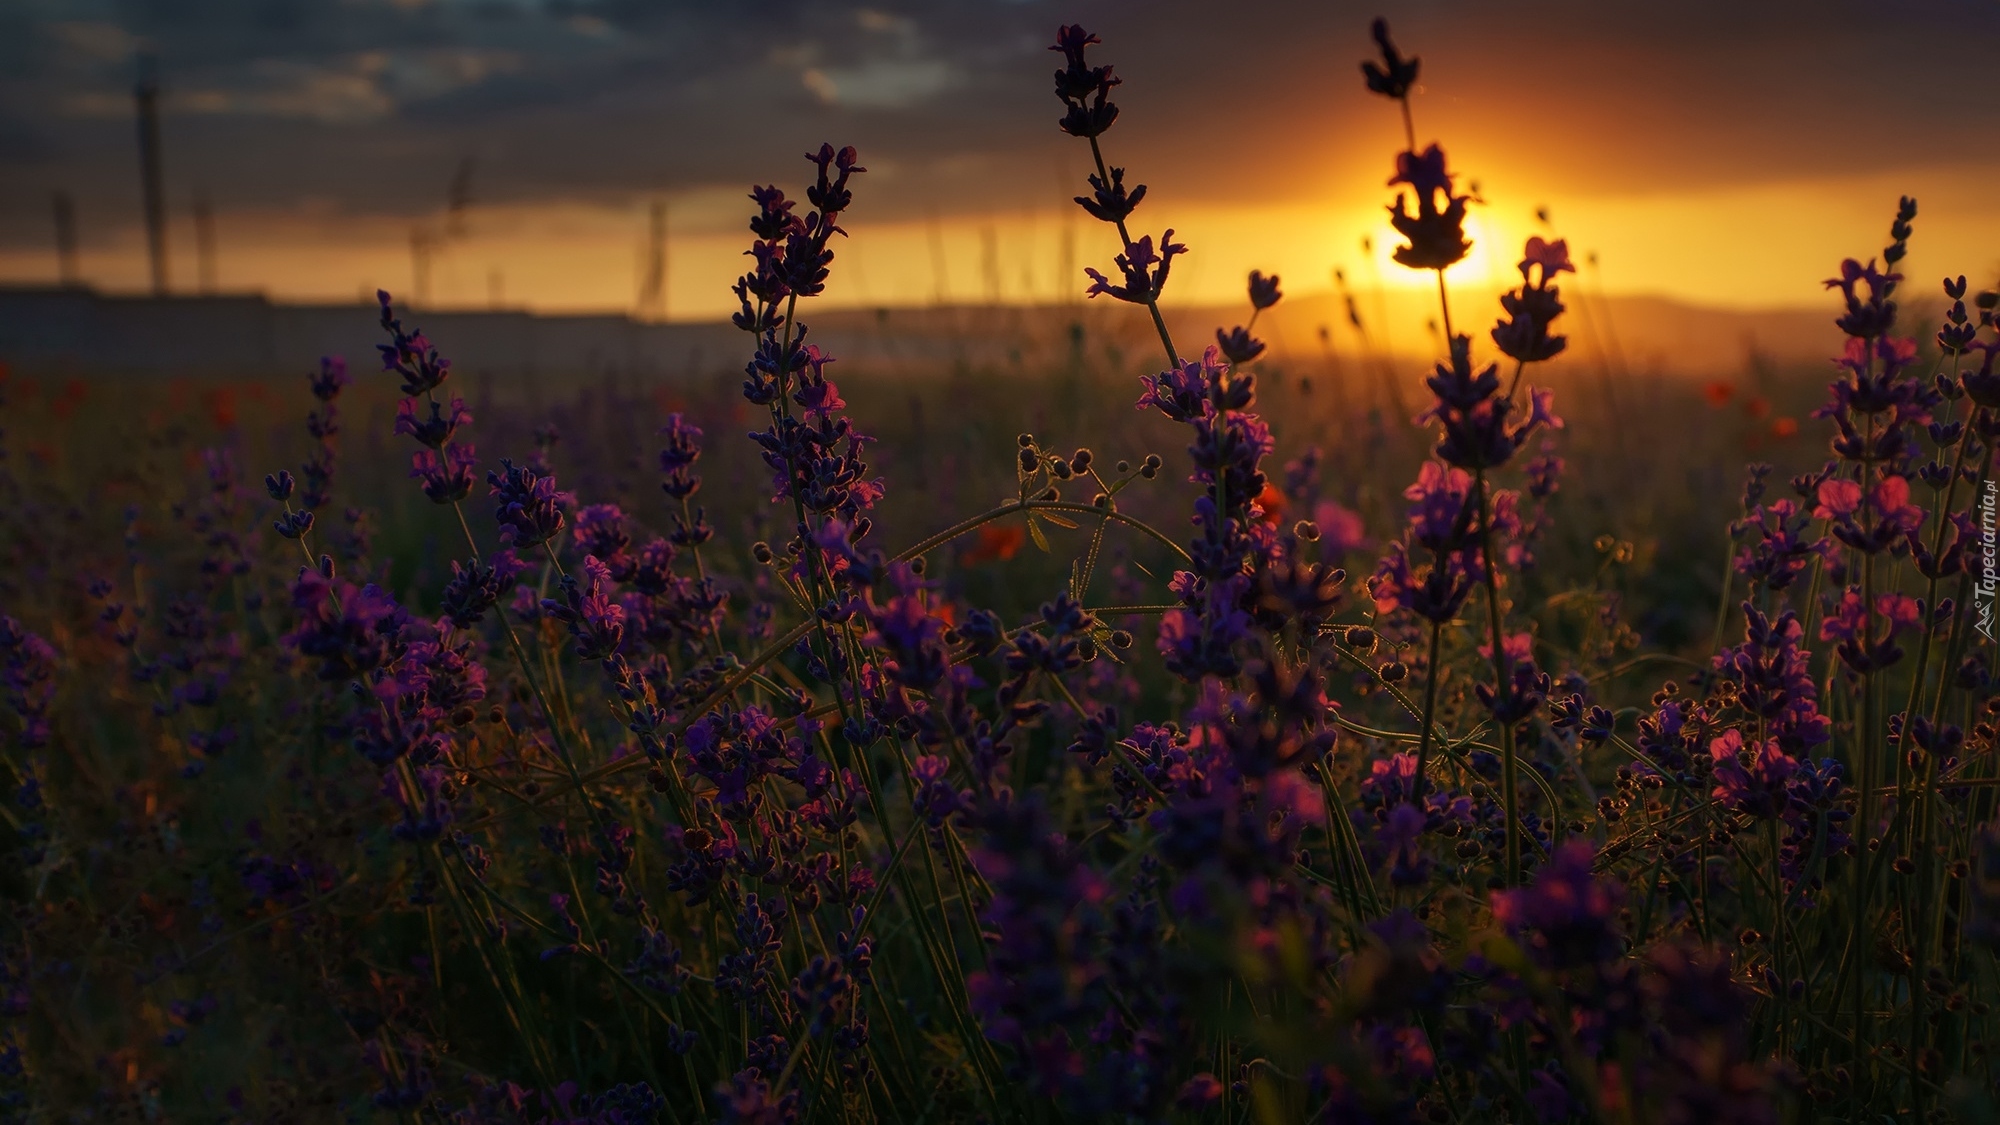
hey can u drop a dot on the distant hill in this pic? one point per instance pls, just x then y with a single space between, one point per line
79 331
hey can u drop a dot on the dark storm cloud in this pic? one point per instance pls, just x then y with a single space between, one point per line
368 105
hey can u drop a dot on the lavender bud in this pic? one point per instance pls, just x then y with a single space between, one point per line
293 525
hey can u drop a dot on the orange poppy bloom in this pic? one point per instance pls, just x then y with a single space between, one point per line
996 541
221 403
1273 503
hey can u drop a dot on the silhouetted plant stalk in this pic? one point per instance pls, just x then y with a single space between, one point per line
1476 432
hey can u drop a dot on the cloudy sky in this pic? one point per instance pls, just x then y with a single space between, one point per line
1726 153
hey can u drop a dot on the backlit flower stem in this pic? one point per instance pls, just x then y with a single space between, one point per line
1923 931
1509 794
1125 239
678 794
1781 995
1865 813
710 631
1431 679
522 661
1918 677
781 411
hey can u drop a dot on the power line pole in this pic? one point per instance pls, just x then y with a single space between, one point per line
653 286
152 184
457 198
204 244
940 294
989 263
65 216
421 245
1066 286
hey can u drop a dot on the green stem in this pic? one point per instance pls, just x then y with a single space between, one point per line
1509 789
1430 708
1125 238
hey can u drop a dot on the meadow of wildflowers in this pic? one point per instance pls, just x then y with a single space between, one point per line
1266 804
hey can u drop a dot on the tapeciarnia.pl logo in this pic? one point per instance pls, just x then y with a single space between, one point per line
1989 558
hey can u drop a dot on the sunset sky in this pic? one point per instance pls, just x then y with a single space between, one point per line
1716 153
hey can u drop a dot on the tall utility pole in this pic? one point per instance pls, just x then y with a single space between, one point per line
65 215
147 95
457 199
1066 286
653 285
989 263
421 245
204 243
940 295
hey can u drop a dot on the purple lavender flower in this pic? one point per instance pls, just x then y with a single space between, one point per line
446 474
1982 384
747 1099
1237 344
439 672
526 505
1183 393
1569 915
1773 680
1816 819
324 425
1203 641
1783 547
934 799
600 532
1473 418
1110 202
678 454
1847 622
1145 271
1436 234
348 631
436 430
1532 308
409 354
1865 289
1443 512
1958 329
330 378
1545 472
293 525
27 677
1263 290
1083 88
909 632
830 193
1848 507
474 588
1756 787
595 621
1395 75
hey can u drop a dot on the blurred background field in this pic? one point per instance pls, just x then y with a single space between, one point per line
1657 444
